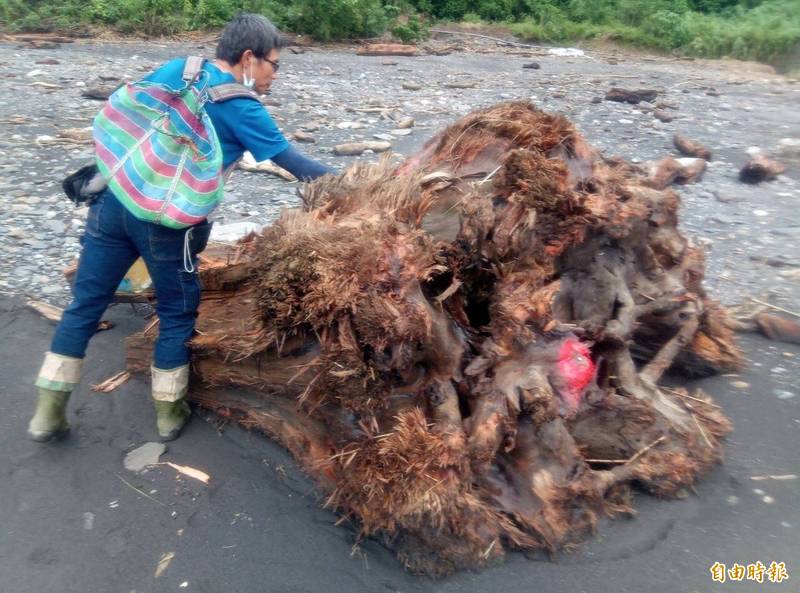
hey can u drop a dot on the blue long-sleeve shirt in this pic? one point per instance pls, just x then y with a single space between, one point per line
243 124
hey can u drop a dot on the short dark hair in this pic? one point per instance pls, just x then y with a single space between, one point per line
248 31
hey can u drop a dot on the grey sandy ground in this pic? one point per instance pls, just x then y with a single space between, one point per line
72 519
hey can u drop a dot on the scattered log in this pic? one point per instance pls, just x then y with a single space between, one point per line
634 97
778 328
465 351
42 37
461 84
99 93
53 313
248 163
691 148
387 49
112 382
357 148
663 116
668 170
760 168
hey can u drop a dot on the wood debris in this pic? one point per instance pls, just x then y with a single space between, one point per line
112 382
465 350
760 168
46 310
634 97
387 49
191 472
249 164
691 147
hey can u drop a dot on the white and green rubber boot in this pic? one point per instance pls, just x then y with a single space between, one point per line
50 420
57 378
169 393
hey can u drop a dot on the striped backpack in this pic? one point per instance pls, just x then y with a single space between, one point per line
157 148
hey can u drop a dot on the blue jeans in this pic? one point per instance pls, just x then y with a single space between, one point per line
114 238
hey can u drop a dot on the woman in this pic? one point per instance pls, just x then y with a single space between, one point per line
247 54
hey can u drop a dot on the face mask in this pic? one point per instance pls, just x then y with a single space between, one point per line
249 81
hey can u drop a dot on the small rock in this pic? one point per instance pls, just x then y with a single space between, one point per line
56 226
740 384
350 125
412 86
300 136
597 100
100 93
789 147
388 62
406 123
309 126
48 62
532 66
140 458
662 116
376 146
349 149
400 132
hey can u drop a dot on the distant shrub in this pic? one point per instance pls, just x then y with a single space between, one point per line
411 30
338 19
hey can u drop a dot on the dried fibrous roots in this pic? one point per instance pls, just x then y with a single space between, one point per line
472 342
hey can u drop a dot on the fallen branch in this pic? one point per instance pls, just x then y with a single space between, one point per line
112 382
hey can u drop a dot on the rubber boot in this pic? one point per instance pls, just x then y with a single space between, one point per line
169 393
171 417
57 378
50 420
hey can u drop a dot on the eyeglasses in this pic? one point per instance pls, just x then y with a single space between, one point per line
275 65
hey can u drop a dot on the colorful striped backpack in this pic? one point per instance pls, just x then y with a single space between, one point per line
157 148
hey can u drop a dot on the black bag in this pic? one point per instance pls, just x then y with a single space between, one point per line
84 185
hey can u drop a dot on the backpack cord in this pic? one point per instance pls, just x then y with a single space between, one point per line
188 264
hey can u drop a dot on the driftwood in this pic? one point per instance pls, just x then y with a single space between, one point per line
691 148
760 168
778 328
465 350
634 97
387 49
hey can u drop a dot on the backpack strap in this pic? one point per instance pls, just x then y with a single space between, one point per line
230 90
194 64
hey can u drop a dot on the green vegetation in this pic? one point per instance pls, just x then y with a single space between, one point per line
766 30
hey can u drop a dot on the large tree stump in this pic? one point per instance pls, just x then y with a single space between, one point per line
465 351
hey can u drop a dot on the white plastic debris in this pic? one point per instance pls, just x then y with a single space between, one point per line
565 52
232 232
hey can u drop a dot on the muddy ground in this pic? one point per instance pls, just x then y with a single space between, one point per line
73 519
